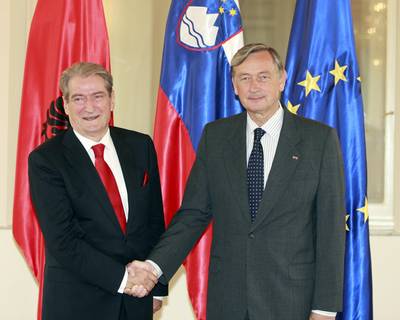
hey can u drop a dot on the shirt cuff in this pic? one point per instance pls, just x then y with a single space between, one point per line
156 267
325 313
123 282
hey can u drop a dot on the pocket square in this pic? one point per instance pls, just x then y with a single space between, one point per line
145 180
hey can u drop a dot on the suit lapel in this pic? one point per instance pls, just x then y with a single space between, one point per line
235 163
286 159
78 158
129 168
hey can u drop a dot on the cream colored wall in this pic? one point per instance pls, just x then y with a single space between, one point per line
136 38
136 31
130 32
4 85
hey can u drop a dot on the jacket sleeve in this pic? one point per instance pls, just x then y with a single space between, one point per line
156 218
189 222
330 229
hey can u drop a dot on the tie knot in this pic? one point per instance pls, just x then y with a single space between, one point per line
258 133
98 150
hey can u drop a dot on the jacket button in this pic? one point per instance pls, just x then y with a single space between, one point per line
251 235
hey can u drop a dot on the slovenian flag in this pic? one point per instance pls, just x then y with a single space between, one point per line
195 88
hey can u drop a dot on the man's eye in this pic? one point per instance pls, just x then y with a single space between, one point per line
77 99
99 98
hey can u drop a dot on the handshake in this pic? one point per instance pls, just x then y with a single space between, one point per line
142 277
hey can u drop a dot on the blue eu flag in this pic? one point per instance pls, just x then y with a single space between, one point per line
324 84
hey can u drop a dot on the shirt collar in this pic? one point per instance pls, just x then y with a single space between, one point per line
88 143
272 127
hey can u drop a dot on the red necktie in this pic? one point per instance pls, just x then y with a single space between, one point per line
110 184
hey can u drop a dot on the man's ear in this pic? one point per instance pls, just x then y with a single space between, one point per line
283 80
234 85
65 104
112 100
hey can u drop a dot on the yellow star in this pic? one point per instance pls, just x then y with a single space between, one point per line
232 12
359 78
364 210
293 109
338 72
310 83
221 10
347 218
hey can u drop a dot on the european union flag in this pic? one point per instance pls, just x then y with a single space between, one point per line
324 84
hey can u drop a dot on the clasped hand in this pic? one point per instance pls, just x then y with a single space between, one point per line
142 277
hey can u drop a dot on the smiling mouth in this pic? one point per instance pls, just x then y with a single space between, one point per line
90 118
255 98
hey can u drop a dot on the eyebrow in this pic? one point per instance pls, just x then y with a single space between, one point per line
265 72
258 73
92 94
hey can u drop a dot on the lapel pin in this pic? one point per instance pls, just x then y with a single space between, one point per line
295 157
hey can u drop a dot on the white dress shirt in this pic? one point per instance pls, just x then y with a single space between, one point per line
269 141
111 158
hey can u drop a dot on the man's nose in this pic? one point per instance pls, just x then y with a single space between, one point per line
254 84
89 104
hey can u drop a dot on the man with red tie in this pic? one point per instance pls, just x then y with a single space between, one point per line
97 196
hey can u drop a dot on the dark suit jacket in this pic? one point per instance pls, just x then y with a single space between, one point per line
290 260
86 251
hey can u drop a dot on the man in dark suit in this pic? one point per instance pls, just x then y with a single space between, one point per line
272 183
97 196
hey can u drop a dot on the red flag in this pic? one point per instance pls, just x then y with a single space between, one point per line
62 32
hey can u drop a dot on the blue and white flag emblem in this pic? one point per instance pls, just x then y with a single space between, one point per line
197 28
206 25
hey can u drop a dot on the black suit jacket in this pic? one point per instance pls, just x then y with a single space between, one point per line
86 251
290 260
